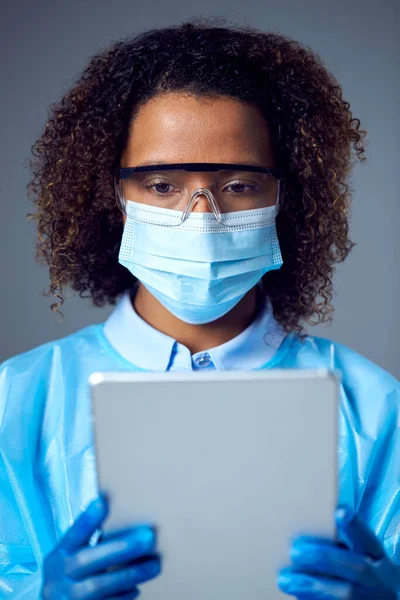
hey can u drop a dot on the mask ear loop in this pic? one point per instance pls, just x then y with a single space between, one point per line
120 199
211 200
280 195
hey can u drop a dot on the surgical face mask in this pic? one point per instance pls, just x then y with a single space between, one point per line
200 265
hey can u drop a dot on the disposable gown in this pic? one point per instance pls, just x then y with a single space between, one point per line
47 461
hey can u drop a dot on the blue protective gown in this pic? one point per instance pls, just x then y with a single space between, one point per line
47 461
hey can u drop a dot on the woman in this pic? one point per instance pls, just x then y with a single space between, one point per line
216 266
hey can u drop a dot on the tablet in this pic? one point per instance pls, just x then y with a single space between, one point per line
230 466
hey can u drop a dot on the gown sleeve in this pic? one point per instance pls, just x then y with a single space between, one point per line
370 462
25 522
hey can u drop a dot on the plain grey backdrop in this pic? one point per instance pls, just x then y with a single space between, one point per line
44 47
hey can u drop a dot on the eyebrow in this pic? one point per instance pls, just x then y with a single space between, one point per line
166 162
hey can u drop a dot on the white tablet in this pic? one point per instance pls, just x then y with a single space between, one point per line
229 465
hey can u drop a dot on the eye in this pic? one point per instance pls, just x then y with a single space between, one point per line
160 187
239 188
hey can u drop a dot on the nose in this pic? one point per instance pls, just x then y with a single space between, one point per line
202 204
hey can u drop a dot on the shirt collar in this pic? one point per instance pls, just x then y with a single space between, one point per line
150 349
137 341
254 346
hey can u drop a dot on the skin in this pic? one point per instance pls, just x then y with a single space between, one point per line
174 128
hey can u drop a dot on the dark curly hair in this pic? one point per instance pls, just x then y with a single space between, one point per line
312 129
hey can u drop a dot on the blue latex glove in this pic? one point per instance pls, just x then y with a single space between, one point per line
356 569
112 569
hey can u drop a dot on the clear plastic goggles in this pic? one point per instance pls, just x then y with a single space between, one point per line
177 187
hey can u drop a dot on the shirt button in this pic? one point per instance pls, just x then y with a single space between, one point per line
203 361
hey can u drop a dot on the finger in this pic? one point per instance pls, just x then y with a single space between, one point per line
114 533
356 535
311 539
126 596
85 525
312 587
116 582
333 561
140 541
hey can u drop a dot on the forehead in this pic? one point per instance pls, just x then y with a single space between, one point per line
181 128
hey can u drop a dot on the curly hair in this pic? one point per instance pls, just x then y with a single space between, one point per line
312 129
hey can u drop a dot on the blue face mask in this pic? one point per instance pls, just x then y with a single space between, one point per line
201 269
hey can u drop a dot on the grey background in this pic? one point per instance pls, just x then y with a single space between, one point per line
44 47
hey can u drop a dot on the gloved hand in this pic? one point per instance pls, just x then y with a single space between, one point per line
112 569
354 568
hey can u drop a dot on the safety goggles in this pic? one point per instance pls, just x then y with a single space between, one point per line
229 188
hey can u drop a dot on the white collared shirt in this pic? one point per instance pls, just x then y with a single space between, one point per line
150 349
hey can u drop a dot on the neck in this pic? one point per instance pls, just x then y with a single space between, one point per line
196 338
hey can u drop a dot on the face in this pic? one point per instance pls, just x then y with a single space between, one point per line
175 128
